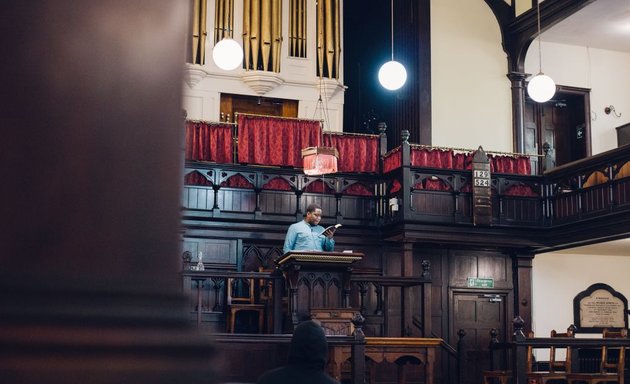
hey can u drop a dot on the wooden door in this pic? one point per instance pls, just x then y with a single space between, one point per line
561 124
477 314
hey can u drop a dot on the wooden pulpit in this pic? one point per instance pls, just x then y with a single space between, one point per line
317 280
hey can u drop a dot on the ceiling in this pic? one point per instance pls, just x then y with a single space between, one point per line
609 248
603 24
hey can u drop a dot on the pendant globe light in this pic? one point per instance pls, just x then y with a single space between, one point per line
227 54
541 87
392 74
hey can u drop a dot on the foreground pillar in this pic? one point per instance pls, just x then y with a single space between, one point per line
89 198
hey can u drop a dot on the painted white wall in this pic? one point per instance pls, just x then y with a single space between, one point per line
606 73
470 91
558 277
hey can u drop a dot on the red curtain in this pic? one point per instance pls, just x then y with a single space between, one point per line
319 186
520 190
434 158
356 153
237 181
395 187
209 142
196 178
519 165
392 161
277 184
432 184
462 160
357 189
275 141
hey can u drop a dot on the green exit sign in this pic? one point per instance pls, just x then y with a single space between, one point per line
480 282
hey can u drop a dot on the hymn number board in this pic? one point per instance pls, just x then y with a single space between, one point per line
482 189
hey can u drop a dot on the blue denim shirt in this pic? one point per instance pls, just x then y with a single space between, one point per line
302 236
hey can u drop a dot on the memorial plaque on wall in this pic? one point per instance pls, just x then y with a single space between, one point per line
482 191
599 307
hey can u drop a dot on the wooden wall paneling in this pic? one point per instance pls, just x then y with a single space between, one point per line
198 198
290 108
461 266
521 210
522 264
326 201
232 104
225 107
277 202
496 267
433 203
217 253
392 265
358 208
237 200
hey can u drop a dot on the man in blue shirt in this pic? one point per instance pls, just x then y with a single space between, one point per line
306 235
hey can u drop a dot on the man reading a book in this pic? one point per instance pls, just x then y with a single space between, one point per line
308 235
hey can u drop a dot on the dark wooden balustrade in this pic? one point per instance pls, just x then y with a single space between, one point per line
206 291
587 190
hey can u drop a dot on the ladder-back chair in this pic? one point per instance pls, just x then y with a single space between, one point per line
611 367
241 296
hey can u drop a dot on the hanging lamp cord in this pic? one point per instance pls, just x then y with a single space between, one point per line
392 26
539 44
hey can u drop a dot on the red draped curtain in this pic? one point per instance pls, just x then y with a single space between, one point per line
237 181
318 186
356 153
277 184
519 165
357 189
275 141
440 158
434 158
209 141
392 160
196 178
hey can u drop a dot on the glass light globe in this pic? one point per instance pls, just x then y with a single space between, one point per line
392 75
541 88
227 54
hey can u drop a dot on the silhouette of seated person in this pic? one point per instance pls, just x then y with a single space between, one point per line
308 355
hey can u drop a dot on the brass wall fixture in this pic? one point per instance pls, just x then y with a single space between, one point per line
611 109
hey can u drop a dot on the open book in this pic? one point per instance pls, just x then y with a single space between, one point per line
330 231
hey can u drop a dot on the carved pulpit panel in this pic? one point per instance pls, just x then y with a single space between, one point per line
317 279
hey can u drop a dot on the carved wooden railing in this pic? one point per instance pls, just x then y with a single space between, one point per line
206 291
587 189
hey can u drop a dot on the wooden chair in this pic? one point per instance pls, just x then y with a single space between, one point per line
611 368
558 369
237 301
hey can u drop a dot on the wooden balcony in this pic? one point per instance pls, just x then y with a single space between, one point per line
594 191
